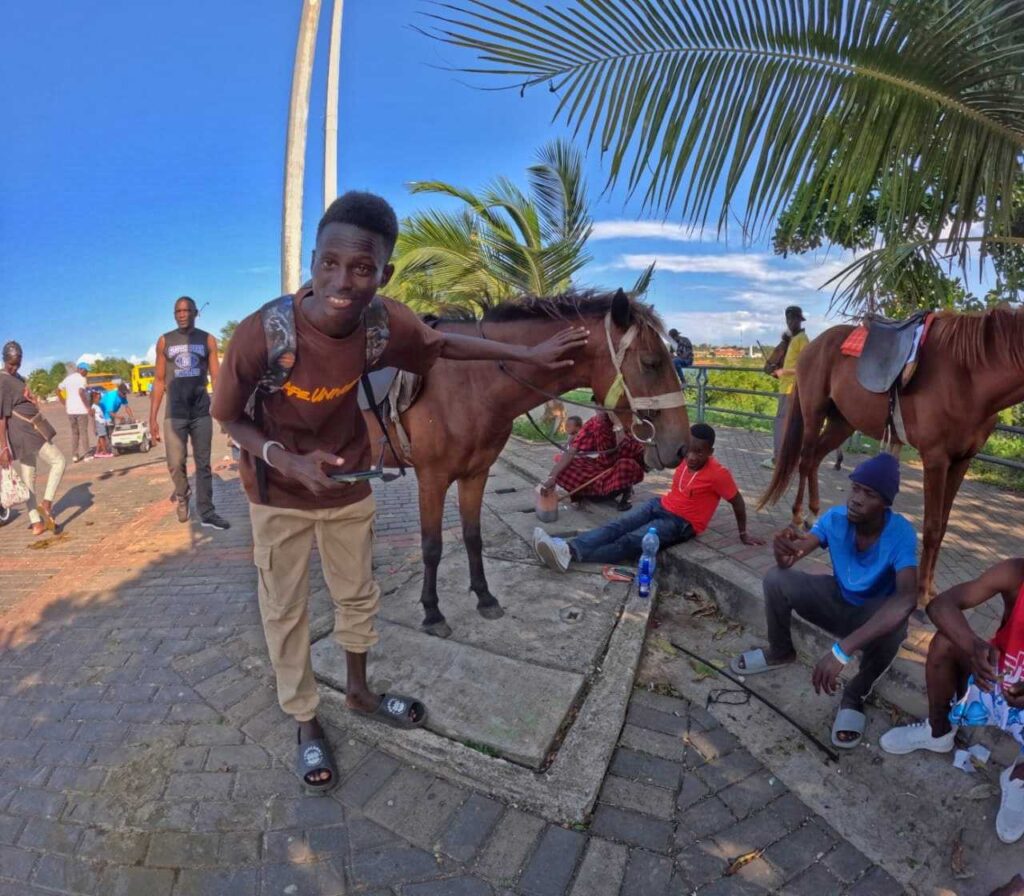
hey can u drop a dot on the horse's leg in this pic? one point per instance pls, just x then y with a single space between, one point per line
432 492
954 478
471 496
808 463
936 472
836 431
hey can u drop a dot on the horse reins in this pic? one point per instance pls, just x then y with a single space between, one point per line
618 389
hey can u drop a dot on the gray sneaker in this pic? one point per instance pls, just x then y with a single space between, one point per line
183 511
553 552
215 522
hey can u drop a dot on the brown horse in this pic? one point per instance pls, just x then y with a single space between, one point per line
970 368
463 416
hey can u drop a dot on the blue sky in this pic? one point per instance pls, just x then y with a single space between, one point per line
144 153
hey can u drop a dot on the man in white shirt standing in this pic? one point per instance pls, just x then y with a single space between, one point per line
76 403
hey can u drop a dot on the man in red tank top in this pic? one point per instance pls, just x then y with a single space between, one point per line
972 681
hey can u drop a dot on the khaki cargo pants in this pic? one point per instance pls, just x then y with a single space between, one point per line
282 544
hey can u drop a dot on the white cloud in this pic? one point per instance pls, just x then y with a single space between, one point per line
654 230
800 273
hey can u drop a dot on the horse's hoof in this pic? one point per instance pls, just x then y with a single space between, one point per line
438 629
490 611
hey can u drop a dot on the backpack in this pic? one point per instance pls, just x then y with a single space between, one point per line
278 319
684 351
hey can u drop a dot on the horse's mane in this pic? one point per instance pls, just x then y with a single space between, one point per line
985 336
569 305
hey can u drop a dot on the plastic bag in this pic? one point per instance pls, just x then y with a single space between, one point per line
12 489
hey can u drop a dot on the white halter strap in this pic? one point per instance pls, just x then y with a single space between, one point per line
619 385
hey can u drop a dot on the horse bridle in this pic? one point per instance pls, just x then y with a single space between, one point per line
618 388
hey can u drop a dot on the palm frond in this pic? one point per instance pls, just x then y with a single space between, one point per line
643 282
696 102
559 190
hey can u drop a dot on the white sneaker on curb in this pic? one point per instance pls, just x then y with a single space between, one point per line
1010 818
553 552
918 736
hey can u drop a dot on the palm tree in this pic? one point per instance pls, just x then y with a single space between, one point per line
503 243
295 149
697 102
331 110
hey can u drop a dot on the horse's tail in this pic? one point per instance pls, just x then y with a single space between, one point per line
789 454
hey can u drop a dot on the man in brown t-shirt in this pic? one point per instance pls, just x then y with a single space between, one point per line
314 424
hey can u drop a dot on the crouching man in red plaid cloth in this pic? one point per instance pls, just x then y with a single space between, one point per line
681 514
610 474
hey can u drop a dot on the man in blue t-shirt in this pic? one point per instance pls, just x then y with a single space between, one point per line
865 603
113 400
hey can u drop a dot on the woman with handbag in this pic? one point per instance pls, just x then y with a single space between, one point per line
26 436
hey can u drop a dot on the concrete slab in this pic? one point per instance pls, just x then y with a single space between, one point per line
560 662
559 622
512 707
567 790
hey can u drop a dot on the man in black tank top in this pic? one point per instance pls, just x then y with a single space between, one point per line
185 358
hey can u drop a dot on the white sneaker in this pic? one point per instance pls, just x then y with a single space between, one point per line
918 736
768 463
553 552
1010 818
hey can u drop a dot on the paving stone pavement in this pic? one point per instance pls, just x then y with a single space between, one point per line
142 750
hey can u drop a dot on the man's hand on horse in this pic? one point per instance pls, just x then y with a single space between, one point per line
551 352
308 469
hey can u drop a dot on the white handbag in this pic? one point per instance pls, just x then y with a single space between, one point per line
12 489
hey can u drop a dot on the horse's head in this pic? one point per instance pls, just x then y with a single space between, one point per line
635 375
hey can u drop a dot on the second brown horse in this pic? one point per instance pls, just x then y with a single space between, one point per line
463 416
971 367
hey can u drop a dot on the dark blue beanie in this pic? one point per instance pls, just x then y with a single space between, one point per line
881 474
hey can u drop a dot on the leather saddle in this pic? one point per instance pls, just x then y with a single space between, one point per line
888 350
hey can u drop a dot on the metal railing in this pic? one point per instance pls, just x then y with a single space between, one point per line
698 385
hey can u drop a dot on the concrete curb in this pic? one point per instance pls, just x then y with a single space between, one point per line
567 791
737 591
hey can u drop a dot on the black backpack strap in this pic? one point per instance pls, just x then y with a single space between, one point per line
278 319
368 392
378 332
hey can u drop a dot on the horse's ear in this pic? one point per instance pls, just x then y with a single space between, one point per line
621 310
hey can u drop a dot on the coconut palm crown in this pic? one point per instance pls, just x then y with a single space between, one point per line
700 104
503 243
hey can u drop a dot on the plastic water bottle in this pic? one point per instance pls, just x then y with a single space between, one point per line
648 561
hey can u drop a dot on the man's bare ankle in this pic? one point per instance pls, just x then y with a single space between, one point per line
940 729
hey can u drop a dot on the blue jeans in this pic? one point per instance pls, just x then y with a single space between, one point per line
621 539
678 364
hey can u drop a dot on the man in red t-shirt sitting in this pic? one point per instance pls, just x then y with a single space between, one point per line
700 482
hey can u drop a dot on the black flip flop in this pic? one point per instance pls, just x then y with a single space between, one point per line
315 756
397 710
